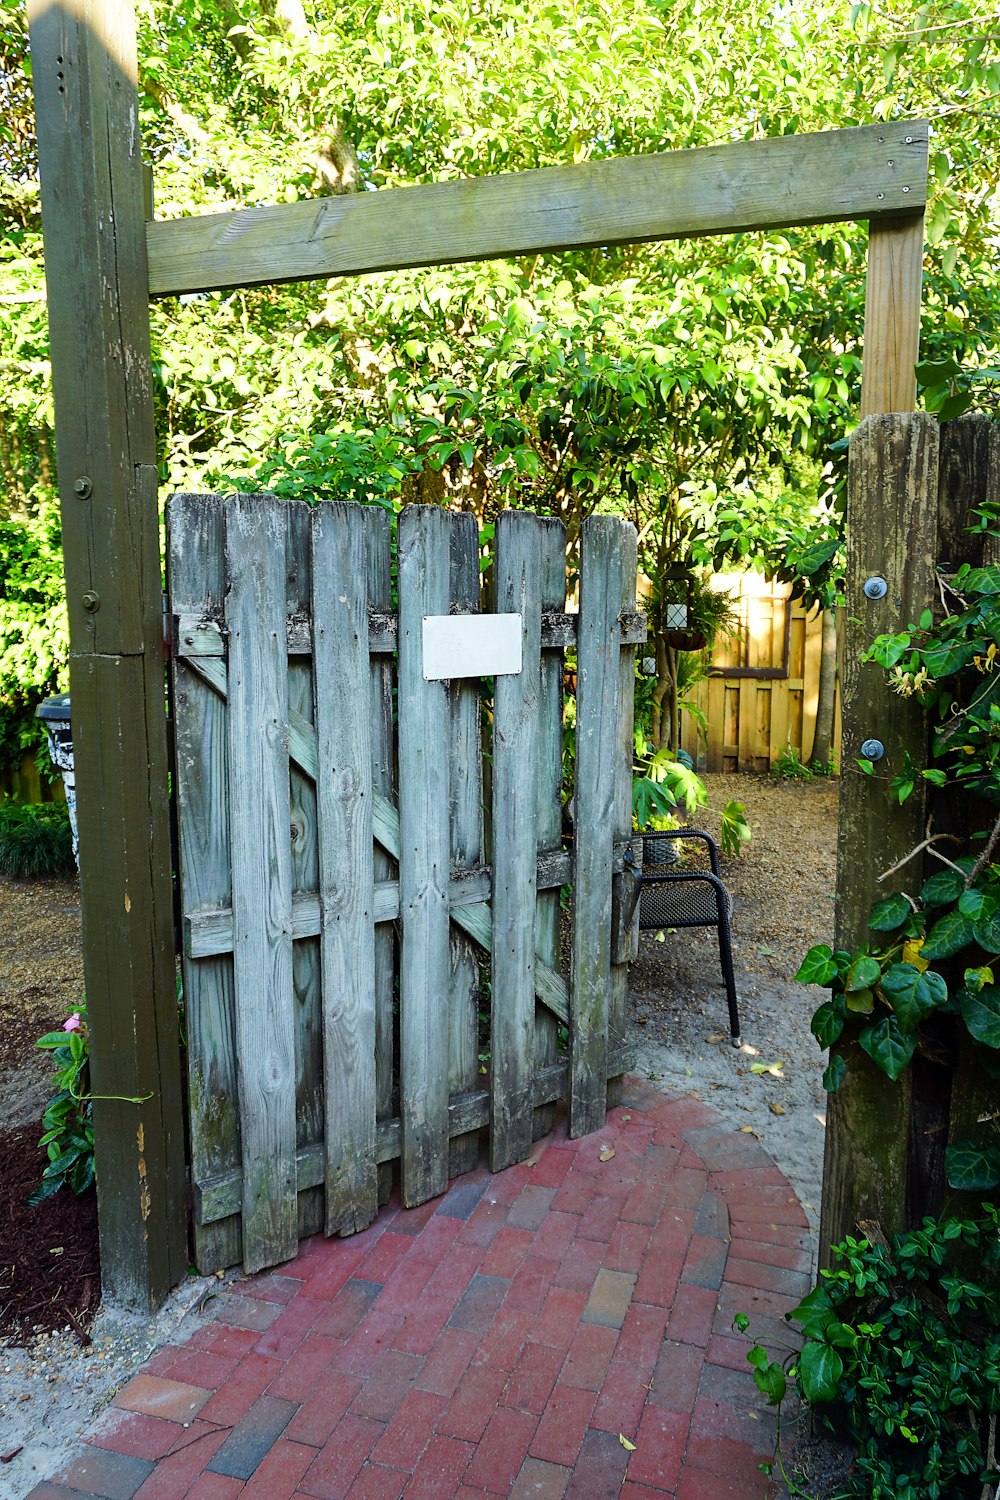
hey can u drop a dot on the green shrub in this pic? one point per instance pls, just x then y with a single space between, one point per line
903 1348
68 1131
35 840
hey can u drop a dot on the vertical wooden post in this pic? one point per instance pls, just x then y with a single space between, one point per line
83 58
892 526
892 314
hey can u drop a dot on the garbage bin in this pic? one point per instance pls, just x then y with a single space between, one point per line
55 715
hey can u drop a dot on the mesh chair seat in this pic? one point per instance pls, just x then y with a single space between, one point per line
670 897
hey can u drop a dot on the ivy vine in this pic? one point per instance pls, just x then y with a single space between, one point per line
935 950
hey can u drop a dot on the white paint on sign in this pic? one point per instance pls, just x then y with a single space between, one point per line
471 646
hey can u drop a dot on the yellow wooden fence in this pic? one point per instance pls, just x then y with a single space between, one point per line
761 692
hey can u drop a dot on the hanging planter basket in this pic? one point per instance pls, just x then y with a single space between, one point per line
686 640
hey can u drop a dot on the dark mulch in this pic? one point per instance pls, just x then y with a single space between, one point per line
50 1271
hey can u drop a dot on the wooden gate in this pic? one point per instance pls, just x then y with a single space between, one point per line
364 981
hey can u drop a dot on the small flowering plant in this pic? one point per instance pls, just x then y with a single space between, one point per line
68 1132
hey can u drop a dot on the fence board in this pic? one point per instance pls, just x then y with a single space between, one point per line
548 808
517 589
196 575
262 875
344 808
383 865
424 588
466 796
622 824
306 974
598 672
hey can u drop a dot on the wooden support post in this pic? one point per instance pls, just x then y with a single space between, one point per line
891 524
892 314
83 57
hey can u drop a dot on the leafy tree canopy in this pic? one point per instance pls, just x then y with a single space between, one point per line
684 384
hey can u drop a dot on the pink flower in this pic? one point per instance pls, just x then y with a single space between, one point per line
73 1024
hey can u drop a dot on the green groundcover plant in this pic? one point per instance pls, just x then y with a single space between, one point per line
35 840
67 1125
903 1350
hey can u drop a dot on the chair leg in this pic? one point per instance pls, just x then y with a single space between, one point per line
726 962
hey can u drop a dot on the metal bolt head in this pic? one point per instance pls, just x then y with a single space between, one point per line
91 603
873 749
875 587
82 488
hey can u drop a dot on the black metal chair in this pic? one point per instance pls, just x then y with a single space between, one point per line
669 896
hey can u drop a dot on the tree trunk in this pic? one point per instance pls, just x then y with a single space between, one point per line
822 747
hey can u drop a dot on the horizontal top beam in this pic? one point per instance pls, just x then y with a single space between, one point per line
870 172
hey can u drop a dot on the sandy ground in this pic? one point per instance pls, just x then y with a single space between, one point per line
783 892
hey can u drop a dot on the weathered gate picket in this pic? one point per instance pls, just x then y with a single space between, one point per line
338 909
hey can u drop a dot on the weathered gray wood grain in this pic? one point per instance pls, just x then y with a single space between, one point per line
262 874
424 848
862 173
622 824
346 888
465 793
548 812
517 590
196 576
383 785
598 682
306 981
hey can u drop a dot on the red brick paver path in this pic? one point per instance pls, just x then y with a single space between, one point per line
561 1329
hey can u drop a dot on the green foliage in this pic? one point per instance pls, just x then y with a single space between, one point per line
933 954
68 1132
789 766
35 841
904 1341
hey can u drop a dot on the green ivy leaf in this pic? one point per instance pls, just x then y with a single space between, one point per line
913 994
981 581
861 1002
971 904
814 1313
949 935
820 1369
818 966
827 1023
863 973
945 886
972 1168
987 932
887 1047
981 1014
833 1076
890 913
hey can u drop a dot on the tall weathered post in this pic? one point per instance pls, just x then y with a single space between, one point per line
890 535
83 57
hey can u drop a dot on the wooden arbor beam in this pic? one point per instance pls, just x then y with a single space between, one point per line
83 55
870 172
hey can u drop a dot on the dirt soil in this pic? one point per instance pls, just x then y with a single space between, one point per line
783 902
52 1382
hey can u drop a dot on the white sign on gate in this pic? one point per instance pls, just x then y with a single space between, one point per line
471 646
